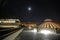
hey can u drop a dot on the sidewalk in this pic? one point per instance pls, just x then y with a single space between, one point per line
14 35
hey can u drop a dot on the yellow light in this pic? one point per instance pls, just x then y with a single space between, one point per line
8 21
0 21
30 27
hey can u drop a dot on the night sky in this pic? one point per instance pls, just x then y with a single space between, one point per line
40 10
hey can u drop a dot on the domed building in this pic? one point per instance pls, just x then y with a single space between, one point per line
49 24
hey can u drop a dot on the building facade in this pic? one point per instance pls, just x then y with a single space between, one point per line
9 23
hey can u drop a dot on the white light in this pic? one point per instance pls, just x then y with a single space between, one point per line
8 21
29 8
0 21
35 30
46 32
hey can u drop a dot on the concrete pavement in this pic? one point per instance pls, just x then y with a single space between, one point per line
14 35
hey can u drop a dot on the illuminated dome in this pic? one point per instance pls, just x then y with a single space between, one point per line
48 23
48 20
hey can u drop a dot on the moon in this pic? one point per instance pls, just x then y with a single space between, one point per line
29 8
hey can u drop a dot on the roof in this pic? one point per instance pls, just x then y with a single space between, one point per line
49 24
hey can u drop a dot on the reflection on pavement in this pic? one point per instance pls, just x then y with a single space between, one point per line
29 35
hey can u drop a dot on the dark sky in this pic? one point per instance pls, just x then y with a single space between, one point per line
41 9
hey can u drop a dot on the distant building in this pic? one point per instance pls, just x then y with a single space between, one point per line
49 24
29 25
9 23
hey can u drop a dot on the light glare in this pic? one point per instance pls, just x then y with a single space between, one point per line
35 30
46 32
29 8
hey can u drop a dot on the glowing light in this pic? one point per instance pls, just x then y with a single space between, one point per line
35 30
0 21
8 21
46 32
29 8
30 27
9 26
